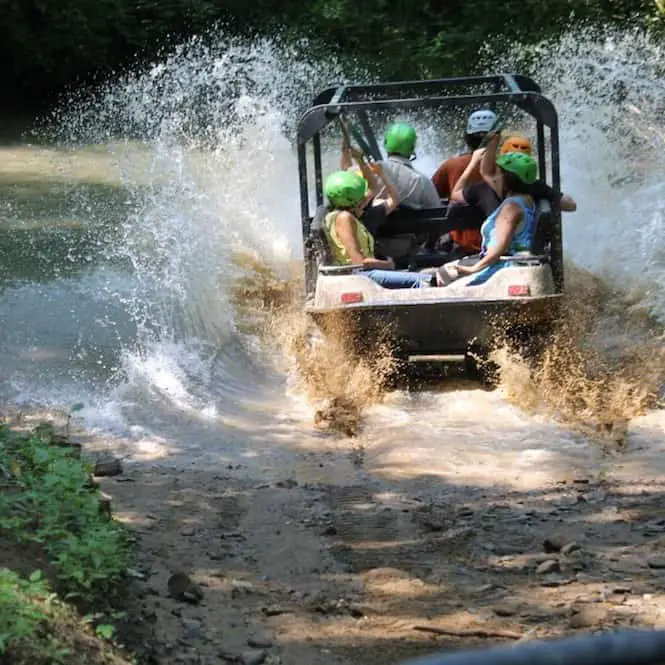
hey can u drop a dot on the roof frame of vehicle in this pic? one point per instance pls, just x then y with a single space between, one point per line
516 89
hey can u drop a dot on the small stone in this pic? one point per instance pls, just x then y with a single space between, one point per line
507 609
356 612
588 616
193 628
547 567
242 585
556 581
570 547
621 588
181 587
253 657
329 531
188 531
108 467
288 484
431 524
259 642
554 543
273 611
657 563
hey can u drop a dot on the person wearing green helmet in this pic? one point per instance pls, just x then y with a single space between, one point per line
492 177
351 243
509 229
416 191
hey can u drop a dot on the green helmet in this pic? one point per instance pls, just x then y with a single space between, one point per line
522 165
345 188
400 139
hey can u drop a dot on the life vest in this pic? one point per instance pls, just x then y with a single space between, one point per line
339 253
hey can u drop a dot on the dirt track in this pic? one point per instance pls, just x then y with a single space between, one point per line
350 567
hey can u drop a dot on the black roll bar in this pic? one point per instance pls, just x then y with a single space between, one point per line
516 89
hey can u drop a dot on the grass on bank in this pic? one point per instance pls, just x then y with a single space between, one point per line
60 553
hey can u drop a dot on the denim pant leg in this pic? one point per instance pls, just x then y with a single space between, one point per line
393 279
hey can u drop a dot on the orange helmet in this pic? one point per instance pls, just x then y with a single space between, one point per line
517 144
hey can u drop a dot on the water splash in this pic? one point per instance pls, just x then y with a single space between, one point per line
197 269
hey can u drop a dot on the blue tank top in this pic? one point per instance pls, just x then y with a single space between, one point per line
521 241
523 237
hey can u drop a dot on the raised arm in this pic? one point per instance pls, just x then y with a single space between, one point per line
391 200
463 181
368 174
488 168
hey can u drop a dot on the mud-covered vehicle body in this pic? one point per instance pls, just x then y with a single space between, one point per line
440 323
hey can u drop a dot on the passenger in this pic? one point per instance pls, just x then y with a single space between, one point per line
466 241
493 176
446 176
415 189
351 243
517 144
383 196
509 229
488 194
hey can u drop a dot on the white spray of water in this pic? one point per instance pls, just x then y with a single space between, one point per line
203 143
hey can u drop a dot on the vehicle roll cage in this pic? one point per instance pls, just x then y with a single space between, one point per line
521 91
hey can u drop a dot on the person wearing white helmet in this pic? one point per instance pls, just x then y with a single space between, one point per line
479 124
477 127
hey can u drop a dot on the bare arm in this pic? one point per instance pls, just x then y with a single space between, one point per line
391 201
345 225
367 173
488 168
345 158
463 182
509 218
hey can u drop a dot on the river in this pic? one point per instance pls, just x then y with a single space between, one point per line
130 222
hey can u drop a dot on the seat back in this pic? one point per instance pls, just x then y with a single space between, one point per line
318 238
542 233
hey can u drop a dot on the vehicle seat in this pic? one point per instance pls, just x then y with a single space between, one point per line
318 239
542 234
400 247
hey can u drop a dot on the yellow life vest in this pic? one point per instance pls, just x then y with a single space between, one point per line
363 236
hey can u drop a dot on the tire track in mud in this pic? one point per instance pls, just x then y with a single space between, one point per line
295 572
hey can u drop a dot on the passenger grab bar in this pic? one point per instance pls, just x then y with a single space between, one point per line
342 270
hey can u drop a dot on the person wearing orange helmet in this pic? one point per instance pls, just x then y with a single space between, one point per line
516 144
492 175
488 194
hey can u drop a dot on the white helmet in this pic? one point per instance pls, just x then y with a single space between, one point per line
480 121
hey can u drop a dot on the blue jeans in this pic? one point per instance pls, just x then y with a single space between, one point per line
393 279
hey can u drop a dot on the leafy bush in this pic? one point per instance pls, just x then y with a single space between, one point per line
50 499
25 605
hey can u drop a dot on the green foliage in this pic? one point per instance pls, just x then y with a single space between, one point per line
25 605
49 44
50 499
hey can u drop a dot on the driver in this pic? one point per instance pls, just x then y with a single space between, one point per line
415 189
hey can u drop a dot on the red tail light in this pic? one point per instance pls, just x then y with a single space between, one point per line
352 297
516 290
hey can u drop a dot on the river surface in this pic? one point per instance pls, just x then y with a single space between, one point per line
138 227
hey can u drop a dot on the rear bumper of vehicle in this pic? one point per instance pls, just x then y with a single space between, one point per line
444 326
